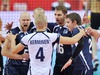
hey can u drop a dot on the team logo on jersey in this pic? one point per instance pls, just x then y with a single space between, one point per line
65 31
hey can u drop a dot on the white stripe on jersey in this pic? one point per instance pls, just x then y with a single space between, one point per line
81 53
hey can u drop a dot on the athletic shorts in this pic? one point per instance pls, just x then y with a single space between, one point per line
68 71
95 20
1 63
82 72
15 70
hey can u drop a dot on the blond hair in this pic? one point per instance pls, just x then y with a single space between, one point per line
39 10
40 19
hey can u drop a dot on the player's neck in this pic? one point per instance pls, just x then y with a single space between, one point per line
40 29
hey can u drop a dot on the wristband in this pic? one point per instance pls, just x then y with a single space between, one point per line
71 58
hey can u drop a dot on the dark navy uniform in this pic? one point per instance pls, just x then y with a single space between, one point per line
64 52
50 27
17 67
83 62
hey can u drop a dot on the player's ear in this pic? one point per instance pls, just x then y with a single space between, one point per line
46 24
74 22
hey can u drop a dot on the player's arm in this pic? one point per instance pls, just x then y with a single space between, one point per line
18 48
15 48
72 40
6 51
88 6
2 38
76 52
93 32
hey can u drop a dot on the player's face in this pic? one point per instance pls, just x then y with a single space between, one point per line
25 22
60 17
70 24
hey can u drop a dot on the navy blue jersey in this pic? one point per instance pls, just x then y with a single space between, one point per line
1 62
50 27
64 52
1 59
84 60
18 39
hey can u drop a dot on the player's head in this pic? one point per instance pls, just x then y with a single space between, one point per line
24 20
38 10
40 22
60 14
73 20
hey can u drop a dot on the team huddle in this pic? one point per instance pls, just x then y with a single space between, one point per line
29 48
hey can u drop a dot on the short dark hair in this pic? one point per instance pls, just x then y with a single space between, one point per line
74 17
62 8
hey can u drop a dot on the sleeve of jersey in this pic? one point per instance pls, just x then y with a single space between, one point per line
75 31
24 41
56 38
78 48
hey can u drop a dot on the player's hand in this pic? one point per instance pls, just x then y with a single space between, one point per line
92 32
25 56
86 19
11 36
8 26
82 31
67 64
89 30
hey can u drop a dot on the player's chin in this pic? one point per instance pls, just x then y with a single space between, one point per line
26 27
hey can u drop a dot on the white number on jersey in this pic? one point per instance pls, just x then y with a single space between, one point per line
61 49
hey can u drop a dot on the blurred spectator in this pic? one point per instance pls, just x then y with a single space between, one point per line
5 5
61 2
84 4
20 6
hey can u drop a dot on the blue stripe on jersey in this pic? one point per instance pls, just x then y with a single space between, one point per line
32 36
46 35
23 43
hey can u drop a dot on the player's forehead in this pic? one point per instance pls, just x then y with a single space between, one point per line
58 12
25 15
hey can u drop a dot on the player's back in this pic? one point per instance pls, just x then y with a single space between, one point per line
40 51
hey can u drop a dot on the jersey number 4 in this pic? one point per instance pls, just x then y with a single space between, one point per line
40 54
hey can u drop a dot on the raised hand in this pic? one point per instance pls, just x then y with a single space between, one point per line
8 26
86 19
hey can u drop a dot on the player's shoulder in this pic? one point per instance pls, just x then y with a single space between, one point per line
15 30
56 26
51 24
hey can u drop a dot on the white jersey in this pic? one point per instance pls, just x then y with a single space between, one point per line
40 51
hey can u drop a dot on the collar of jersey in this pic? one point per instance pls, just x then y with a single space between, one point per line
40 31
